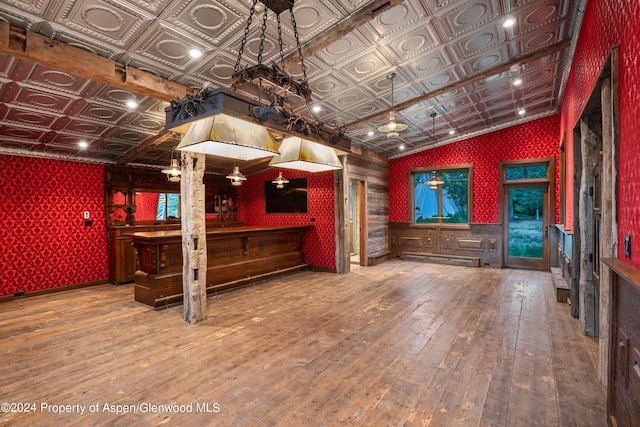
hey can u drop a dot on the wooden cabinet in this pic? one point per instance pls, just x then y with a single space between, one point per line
478 245
132 204
235 257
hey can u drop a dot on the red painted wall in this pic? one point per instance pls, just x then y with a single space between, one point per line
535 139
605 24
44 243
320 242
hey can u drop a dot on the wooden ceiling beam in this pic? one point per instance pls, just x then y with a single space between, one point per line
60 56
341 29
138 151
550 50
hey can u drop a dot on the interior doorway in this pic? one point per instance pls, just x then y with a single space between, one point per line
357 221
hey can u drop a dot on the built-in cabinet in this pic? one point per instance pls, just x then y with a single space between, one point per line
142 200
474 244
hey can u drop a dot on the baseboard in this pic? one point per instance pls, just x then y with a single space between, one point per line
379 258
6 298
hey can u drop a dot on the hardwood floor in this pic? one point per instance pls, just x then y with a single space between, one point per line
399 344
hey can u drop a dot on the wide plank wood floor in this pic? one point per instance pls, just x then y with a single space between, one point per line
398 344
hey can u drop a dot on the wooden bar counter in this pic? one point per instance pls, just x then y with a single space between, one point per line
235 257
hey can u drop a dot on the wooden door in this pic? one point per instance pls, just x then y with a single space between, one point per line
527 225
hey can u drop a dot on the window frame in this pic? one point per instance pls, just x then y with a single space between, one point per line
439 169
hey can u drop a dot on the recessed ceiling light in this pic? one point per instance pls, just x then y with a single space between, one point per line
132 104
517 82
370 133
451 132
522 111
508 23
195 53
402 146
316 108
83 144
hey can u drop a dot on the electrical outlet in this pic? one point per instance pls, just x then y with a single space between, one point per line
86 215
627 246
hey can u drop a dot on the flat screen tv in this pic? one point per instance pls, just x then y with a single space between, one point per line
290 199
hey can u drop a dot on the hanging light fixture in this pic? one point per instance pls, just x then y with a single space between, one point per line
280 181
305 155
226 136
236 177
391 128
173 172
434 181
223 124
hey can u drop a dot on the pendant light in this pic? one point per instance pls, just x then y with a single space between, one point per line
280 181
236 177
302 154
226 136
173 172
392 127
434 181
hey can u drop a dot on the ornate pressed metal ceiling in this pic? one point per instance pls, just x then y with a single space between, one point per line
451 57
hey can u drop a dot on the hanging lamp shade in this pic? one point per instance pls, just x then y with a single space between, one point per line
227 136
280 181
305 155
174 171
236 177
434 181
392 127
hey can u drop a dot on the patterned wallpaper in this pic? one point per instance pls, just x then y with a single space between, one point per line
146 206
319 243
535 139
605 24
43 238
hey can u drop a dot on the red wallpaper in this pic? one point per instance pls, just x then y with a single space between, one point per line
535 139
43 238
146 206
319 243
605 24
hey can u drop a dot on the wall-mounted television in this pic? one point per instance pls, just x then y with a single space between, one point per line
290 199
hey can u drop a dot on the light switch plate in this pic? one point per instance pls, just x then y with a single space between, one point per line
86 215
627 246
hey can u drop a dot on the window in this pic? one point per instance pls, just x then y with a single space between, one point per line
168 206
448 202
513 173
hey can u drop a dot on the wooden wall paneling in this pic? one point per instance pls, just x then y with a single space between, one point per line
480 244
341 208
373 169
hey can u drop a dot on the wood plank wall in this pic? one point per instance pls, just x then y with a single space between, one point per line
374 170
